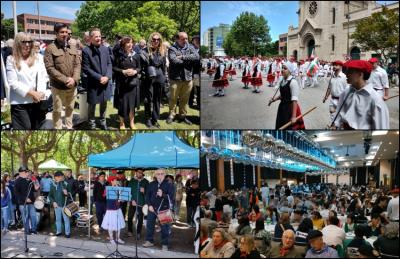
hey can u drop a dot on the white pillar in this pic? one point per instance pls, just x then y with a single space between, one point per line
15 18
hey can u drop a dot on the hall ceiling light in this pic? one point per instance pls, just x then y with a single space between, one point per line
379 132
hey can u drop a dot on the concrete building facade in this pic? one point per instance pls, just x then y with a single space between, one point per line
214 37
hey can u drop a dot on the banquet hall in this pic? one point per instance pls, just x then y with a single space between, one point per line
299 194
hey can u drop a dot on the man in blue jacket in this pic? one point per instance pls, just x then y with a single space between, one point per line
97 66
159 197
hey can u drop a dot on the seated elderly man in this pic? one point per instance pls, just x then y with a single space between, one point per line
318 248
286 249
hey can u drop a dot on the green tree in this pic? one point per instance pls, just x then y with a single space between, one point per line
248 34
147 20
379 32
7 28
204 51
185 13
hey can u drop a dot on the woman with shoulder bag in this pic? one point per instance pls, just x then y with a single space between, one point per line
27 77
127 70
155 73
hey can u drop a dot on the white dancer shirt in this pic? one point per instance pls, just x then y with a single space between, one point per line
379 80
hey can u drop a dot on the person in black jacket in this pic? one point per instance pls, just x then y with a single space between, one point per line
72 183
159 197
127 69
99 197
155 78
82 191
192 201
24 191
247 248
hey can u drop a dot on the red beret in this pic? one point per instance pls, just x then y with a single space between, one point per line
337 62
395 190
111 178
361 65
373 60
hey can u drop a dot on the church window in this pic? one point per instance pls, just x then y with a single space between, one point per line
333 15
333 42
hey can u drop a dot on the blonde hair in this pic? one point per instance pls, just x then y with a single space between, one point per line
161 47
249 242
17 50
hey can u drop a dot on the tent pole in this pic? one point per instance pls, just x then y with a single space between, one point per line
90 182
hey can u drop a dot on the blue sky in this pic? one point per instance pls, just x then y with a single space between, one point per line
59 9
279 14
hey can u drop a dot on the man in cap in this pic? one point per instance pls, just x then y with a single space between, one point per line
379 79
360 107
338 84
58 196
318 248
24 191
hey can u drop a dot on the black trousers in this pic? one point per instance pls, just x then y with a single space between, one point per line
27 116
153 94
131 215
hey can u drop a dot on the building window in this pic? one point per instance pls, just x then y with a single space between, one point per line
333 42
333 15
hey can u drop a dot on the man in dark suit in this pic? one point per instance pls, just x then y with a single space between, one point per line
97 65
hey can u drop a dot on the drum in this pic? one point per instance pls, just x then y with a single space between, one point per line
39 202
165 217
71 209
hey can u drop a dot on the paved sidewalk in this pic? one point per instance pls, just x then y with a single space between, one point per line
13 245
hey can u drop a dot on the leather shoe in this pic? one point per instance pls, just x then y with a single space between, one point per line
103 127
169 120
149 124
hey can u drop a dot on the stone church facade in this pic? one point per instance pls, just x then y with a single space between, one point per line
324 27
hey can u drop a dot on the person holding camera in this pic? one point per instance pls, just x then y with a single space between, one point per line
127 70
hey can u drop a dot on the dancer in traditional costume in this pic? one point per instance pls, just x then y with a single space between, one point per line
220 80
246 75
256 79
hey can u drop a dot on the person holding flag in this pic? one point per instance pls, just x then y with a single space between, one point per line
312 71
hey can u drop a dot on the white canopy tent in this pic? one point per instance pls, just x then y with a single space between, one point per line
52 165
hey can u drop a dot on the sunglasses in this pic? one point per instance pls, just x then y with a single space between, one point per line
27 41
156 39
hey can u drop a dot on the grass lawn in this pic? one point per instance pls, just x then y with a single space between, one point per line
113 118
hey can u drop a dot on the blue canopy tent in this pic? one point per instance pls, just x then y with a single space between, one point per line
149 151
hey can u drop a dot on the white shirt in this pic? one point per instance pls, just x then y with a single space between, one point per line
379 78
294 88
364 109
333 235
265 191
211 197
393 209
338 84
24 80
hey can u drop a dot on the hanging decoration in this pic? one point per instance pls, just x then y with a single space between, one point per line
232 179
208 172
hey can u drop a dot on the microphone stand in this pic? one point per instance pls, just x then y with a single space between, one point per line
137 220
26 219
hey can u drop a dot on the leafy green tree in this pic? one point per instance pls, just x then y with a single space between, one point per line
248 34
148 19
204 51
379 32
185 13
7 28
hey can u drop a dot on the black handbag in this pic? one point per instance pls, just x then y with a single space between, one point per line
151 71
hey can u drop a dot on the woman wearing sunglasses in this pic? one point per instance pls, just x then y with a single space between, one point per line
27 77
155 71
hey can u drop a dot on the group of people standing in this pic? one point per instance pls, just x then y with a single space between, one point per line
149 66
353 86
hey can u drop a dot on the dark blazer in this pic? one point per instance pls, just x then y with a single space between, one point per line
152 199
96 62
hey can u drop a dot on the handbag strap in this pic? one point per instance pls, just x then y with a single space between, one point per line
169 204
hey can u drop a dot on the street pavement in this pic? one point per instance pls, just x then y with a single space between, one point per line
13 245
243 109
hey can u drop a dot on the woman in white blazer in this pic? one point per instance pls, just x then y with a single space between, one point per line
27 78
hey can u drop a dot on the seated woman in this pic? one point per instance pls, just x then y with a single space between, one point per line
388 243
349 226
246 248
302 231
282 225
219 246
375 227
204 238
318 221
358 240
255 214
262 238
271 215
244 227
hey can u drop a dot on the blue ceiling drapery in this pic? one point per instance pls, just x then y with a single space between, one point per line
150 151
